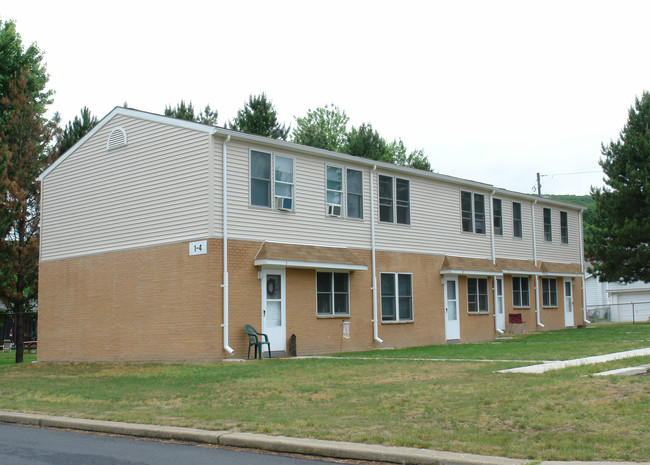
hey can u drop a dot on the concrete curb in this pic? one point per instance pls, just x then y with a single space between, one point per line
315 447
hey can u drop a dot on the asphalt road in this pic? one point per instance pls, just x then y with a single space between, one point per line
21 445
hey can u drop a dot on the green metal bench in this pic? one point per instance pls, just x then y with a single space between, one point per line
254 340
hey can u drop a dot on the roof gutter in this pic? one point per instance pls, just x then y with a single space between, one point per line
375 329
226 347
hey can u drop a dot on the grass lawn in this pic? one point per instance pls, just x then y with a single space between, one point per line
458 406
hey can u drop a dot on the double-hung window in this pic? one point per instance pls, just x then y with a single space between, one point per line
548 229
354 193
549 292
284 179
332 293
477 295
344 192
564 227
517 230
262 164
260 170
396 297
394 200
334 190
497 213
520 292
472 212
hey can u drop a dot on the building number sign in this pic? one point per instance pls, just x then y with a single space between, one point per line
198 247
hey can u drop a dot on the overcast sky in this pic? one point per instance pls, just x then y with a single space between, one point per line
493 91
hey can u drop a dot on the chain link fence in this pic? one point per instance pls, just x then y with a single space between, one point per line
636 312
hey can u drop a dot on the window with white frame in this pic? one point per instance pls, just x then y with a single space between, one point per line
477 295
354 193
403 201
284 180
564 227
472 212
520 292
548 227
396 297
549 292
334 190
517 229
260 172
385 198
332 293
497 213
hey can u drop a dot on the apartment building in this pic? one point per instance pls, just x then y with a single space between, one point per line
162 238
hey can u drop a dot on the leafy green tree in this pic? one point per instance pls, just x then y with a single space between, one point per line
620 239
75 130
186 112
25 150
14 58
397 153
259 117
366 142
325 128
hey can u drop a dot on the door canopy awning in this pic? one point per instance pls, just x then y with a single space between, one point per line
469 266
521 267
308 256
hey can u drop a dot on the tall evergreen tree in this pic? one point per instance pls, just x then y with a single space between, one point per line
186 112
325 128
75 130
13 58
25 141
620 236
366 142
259 117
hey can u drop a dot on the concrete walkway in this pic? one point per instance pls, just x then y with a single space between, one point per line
544 367
282 444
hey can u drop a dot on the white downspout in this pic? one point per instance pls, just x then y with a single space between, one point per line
494 262
582 269
539 322
375 330
226 347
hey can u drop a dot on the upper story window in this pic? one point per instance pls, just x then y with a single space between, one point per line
472 212
477 295
283 186
497 212
354 193
564 227
548 229
284 178
396 297
260 171
520 292
334 191
394 196
351 190
517 230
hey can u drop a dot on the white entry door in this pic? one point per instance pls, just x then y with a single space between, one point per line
500 313
452 324
274 308
568 303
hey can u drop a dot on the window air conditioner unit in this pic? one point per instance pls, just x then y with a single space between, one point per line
284 203
333 210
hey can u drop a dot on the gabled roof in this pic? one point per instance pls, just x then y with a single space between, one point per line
215 130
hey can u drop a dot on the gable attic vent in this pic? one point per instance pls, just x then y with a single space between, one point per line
116 139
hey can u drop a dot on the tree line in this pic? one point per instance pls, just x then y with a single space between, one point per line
619 227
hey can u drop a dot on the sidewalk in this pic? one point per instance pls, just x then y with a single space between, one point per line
315 447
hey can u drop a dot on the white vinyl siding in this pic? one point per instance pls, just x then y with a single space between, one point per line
152 191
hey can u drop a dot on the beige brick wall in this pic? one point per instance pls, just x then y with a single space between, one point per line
155 303
159 303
